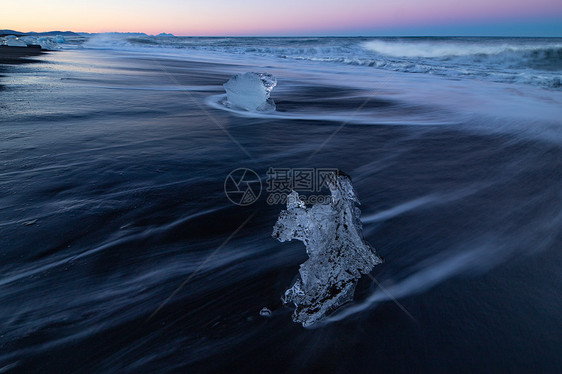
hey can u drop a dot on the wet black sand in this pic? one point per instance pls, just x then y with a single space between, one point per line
111 196
19 55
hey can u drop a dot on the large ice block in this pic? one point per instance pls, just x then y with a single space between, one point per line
338 254
251 91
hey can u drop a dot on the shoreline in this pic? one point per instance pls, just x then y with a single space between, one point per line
18 55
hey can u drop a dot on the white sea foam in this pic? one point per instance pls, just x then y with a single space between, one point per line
448 49
365 117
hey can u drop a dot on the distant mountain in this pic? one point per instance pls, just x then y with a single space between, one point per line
131 34
48 33
10 32
52 33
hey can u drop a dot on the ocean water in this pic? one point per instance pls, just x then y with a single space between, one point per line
536 61
121 252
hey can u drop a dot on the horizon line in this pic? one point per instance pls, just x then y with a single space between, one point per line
285 36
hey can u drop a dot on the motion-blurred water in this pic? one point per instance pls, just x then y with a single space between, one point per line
112 169
536 61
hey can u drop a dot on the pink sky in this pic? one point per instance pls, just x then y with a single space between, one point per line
221 17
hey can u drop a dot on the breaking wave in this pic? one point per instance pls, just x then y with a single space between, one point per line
536 61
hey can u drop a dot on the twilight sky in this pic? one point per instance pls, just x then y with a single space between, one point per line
290 17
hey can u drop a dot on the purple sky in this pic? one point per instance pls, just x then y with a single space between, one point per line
290 17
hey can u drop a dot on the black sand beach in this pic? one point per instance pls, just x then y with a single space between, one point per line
122 253
17 55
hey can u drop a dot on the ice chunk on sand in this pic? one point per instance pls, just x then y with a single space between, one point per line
46 42
13 41
338 254
250 91
59 39
265 312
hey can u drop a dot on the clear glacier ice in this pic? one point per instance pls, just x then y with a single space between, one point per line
13 41
251 91
338 254
265 312
46 42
